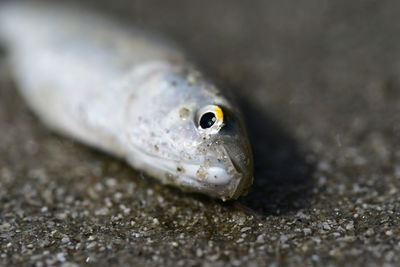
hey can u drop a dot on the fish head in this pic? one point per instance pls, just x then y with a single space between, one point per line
224 152
197 140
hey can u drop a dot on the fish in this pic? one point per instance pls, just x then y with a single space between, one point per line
129 93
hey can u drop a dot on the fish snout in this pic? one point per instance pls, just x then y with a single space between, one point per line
237 160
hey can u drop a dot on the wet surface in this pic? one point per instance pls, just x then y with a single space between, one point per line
318 83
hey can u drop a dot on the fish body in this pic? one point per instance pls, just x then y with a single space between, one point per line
129 94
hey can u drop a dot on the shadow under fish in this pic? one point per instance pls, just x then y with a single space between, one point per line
283 179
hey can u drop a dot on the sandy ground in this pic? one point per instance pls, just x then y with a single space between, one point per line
320 90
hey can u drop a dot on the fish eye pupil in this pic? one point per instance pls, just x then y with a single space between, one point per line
207 120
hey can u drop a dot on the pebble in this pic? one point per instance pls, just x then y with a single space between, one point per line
65 240
307 231
326 226
350 226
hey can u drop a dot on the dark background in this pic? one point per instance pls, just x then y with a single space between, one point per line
318 82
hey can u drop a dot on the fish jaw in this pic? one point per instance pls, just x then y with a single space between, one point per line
217 178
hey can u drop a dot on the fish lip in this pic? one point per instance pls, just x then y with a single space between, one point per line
234 182
245 181
188 179
241 175
217 181
231 185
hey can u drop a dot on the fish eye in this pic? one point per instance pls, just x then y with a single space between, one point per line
207 120
210 119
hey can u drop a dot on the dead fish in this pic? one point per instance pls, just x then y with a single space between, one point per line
127 93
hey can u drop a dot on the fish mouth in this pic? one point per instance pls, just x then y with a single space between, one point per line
220 175
215 181
240 166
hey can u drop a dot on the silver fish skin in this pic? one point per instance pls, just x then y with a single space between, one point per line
120 90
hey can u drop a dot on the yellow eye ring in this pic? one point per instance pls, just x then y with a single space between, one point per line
219 113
